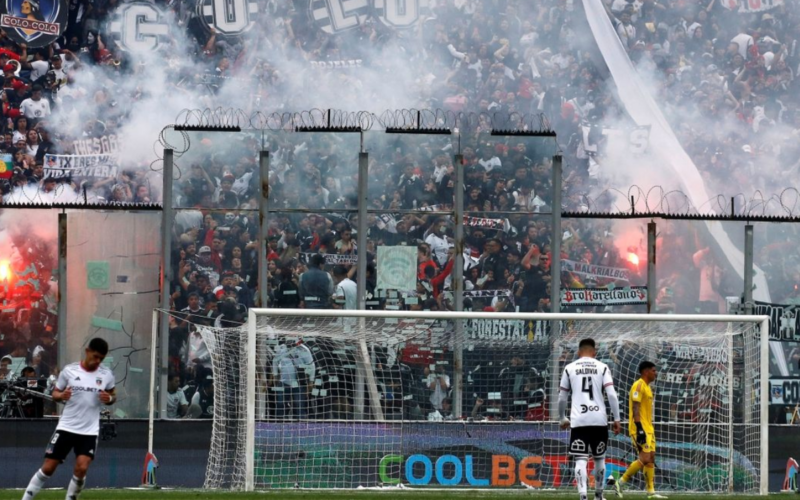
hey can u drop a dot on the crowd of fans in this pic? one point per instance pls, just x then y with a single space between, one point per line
726 80
28 325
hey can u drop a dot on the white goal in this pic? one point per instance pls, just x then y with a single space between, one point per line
348 399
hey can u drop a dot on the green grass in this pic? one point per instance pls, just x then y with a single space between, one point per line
356 495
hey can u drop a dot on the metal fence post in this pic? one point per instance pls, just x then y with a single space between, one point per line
651 266
167 219
458 287
263 227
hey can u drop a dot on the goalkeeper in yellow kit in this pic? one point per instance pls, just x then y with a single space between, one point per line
640 426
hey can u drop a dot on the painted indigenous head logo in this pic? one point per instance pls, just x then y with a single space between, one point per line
36 23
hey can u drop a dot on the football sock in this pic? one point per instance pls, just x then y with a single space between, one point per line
599 475
649 477
36 484
580 475
75 488
633 468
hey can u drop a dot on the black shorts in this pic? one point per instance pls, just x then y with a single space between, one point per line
590 441
63 442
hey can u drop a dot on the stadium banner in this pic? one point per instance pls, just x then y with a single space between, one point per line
784 322
784 391
482 294
36 24
751 6
464 454
635 295
337 16
108 144
331 259
441 207
397 268
139 26
510 330
230 18
346 64
615 273
84 166
482 222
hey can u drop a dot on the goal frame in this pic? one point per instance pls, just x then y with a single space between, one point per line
761 321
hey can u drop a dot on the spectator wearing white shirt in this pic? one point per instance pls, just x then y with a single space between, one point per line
5 371
292 367
439 383
34 107
488 160
346 295
177 404
439 242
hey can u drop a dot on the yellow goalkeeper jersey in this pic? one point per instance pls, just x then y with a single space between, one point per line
641 393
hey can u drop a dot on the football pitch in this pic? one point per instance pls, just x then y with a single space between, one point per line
388 493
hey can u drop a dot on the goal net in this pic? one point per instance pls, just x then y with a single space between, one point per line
345 399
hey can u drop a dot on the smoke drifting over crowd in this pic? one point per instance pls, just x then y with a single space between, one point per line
722 74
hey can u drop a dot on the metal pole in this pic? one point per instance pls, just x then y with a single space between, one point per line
361 237
250 405
731 413
263 228
763 400
458 287
151 402
555 246
748 269
651 267
361 281
166 277
62 291
555 278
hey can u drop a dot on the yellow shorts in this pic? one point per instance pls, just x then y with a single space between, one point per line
647 447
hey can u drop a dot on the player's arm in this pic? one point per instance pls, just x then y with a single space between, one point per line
636 398
108 397
62 395
564 388
613 400
62 392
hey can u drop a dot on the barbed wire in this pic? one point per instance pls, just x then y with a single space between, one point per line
400 119
657 201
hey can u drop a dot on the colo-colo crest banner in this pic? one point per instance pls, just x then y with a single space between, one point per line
36 23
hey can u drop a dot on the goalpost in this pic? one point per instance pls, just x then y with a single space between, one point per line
347 399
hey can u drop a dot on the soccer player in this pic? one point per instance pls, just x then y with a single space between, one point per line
640 426
587 379
84 387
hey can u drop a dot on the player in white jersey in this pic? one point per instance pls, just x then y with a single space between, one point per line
84 387
587 379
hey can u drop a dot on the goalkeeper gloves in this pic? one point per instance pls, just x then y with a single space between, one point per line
641 437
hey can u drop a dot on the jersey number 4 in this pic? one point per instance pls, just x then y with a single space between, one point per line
587 387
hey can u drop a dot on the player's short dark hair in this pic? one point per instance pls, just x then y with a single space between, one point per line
646 365
99 345
28 369
587 343
339 271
